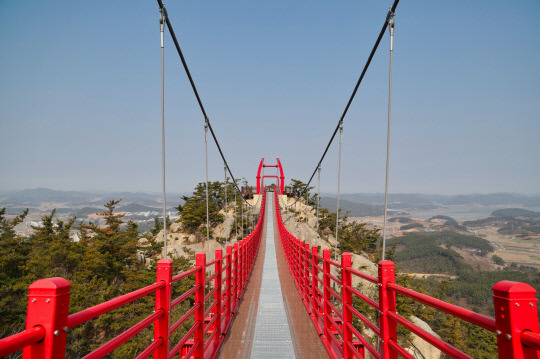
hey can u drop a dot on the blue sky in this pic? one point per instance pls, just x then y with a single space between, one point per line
80 93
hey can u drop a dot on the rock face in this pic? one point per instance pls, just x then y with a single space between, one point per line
182 243
304 227
419 347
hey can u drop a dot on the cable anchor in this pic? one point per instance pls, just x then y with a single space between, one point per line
391 25
162 16
390 19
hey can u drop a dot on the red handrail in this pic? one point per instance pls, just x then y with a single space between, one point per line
530 339
18 341
100 309
454 310
48 320
516 318
124 337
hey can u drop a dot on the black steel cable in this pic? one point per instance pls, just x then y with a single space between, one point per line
366 66
188 73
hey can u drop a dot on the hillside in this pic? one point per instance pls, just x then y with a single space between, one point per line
468 259
355 209
517 222
430 201
435 252
515 212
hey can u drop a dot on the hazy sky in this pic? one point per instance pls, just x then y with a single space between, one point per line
80 93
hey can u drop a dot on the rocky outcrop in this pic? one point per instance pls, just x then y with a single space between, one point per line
418 347
182 243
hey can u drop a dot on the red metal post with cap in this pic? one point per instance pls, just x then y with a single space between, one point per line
346 262
515 313
163 301
48 307
198 338
229 283
217 294
387 302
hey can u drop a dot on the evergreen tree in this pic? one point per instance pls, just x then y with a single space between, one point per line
193 212
13 254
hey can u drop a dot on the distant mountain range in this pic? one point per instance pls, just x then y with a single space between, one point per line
359 204
430 201
32 197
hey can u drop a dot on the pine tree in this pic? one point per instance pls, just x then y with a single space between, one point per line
14 251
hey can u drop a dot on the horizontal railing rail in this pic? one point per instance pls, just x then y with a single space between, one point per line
48 320
103 308
325 287
17 341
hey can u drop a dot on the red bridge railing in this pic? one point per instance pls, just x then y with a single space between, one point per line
325 287
48 320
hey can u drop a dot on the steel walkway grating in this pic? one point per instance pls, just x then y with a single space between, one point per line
272 338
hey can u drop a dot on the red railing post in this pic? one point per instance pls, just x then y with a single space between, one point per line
387 302
163 301
314 282
48 307
251 250
248 255
515 312
346 262
292 263
236 274
198 337
298 261
326 293
217 294
290 251
229 280
300 258
306 276
246 263
241 267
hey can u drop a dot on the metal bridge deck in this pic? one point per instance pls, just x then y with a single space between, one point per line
249 335
272 338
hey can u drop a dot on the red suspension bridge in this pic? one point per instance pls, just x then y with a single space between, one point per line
244 303
323 286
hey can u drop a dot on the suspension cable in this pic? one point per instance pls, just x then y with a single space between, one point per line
338 190
391 24
161 26
235 217
366 66
307 222
318 199
226 209
207 192
188 73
